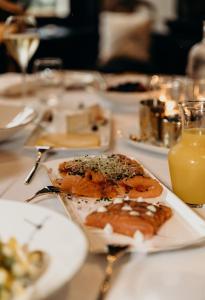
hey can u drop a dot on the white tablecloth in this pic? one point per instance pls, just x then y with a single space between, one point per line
178 275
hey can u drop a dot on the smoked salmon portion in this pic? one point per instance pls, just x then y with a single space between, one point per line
107 176
131 216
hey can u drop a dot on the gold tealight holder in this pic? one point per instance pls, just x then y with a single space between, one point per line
149 115
158 125
156 117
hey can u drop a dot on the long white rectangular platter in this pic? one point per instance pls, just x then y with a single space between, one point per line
185 226
104 132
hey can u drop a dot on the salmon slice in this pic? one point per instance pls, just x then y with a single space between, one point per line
68 182
87 188
128 217
111 176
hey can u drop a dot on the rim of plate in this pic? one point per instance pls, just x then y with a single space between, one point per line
79 263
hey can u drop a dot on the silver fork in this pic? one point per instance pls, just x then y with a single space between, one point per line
46 190
115 252
40 151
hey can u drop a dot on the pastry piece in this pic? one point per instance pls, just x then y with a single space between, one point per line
131 216
69 140
111 176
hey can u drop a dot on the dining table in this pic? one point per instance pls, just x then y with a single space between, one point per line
175 275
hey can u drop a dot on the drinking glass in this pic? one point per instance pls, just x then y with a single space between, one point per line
21 39
50 81
187 157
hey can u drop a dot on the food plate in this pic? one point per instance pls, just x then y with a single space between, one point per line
147 146
53 133
72 80
78 80
47 231
13 118
125 98
183 227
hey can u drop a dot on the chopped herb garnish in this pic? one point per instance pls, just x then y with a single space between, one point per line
103 199
113 167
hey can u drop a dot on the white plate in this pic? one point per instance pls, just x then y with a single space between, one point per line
125 98
183 227
87 100
147 146
59 237
73 80
80 79
13 118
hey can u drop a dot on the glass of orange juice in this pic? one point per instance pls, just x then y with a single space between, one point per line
187 157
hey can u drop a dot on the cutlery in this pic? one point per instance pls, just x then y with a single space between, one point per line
40 151
115 252
46 190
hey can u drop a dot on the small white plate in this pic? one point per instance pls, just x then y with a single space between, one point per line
125 98
59 237
13 118
104 131
80 79
147 146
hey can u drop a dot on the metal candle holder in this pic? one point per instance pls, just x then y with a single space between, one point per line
157 127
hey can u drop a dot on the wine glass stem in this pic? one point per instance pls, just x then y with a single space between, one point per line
24 86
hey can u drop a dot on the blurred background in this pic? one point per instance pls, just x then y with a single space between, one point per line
152 36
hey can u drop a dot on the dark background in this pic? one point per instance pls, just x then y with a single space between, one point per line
78 47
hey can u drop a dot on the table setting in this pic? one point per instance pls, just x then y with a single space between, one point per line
88 180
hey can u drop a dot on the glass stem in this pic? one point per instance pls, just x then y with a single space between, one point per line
24 86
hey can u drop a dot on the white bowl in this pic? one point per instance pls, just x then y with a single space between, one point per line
13 118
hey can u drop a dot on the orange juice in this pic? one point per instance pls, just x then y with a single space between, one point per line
187 166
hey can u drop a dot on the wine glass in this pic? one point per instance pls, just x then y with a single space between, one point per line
50 80
196 59
21 39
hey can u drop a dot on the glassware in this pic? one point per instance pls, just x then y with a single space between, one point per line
187 157
21 39
196 59
49 77
171 90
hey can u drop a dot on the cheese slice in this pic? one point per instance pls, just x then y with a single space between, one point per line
69 140
77 121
